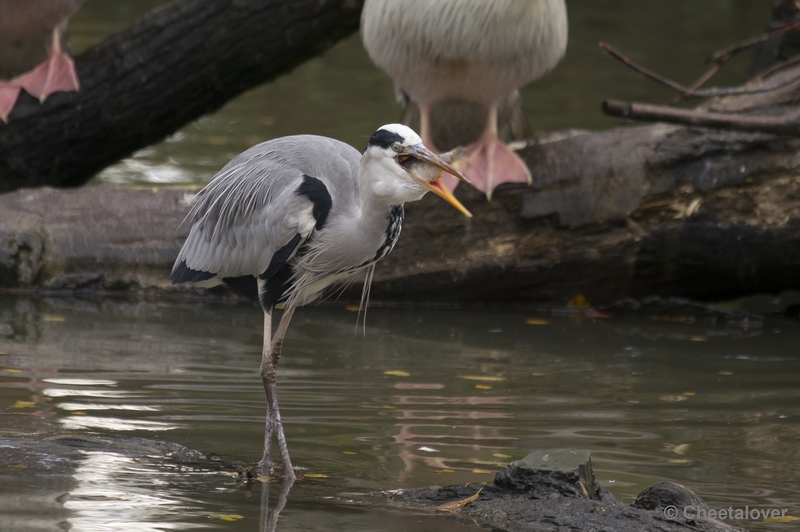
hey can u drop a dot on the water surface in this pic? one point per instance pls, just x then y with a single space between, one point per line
429 396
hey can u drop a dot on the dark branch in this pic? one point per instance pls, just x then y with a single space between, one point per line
786 124
170 67
690 92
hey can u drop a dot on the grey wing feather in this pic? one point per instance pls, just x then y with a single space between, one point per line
251 208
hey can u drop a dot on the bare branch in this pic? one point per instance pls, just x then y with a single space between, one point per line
690 92
786 124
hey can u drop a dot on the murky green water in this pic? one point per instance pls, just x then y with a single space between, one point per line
343 95
427 397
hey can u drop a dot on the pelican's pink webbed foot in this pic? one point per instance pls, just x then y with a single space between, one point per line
55 74
9 92
490 163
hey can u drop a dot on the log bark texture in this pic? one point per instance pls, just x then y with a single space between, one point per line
170 67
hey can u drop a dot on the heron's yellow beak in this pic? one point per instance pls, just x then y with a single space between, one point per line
436 186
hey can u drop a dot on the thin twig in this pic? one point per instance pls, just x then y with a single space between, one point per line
689 92
786 124
721 56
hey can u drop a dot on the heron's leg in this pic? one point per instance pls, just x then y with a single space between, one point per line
269 378
266 370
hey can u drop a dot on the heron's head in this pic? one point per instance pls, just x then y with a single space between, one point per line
399 167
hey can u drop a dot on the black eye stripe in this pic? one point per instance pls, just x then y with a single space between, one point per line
384 139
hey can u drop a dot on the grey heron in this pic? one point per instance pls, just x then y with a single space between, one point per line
290 217
463 61
32 39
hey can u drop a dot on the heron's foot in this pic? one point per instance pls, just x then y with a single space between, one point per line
9 91
490 163
55 74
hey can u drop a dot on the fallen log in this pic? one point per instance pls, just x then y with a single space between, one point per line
170 67
662 210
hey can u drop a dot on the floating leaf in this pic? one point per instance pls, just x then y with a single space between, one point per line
354 308
397 373
78 413
482 471
11 370
483 387
486 378
349 452
501 455
725 372
537 321
784 519
227 517
578 302
315 475
689 394
698 339
679 461
457 505
443 470
3 353
538 374
18 466
23 404
56 319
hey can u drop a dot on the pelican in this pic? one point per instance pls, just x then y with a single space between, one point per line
32 57
291 217
461 62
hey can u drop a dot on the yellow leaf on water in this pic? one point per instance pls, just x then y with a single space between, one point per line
24 404
3 353
483 387
784 519
725 372
482 471
354 308
54 318
538 374
537 321
349 452
486 378
679 461
443 471
11 370
578 302
689 394
18 466
78 413
315 475
501 455
698 338
227 517
397 373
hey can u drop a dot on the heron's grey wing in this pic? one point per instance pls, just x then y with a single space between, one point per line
253 212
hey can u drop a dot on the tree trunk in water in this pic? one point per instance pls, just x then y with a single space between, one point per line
170 67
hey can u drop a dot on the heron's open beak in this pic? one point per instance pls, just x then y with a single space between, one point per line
436 186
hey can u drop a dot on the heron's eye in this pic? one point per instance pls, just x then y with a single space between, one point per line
397 148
